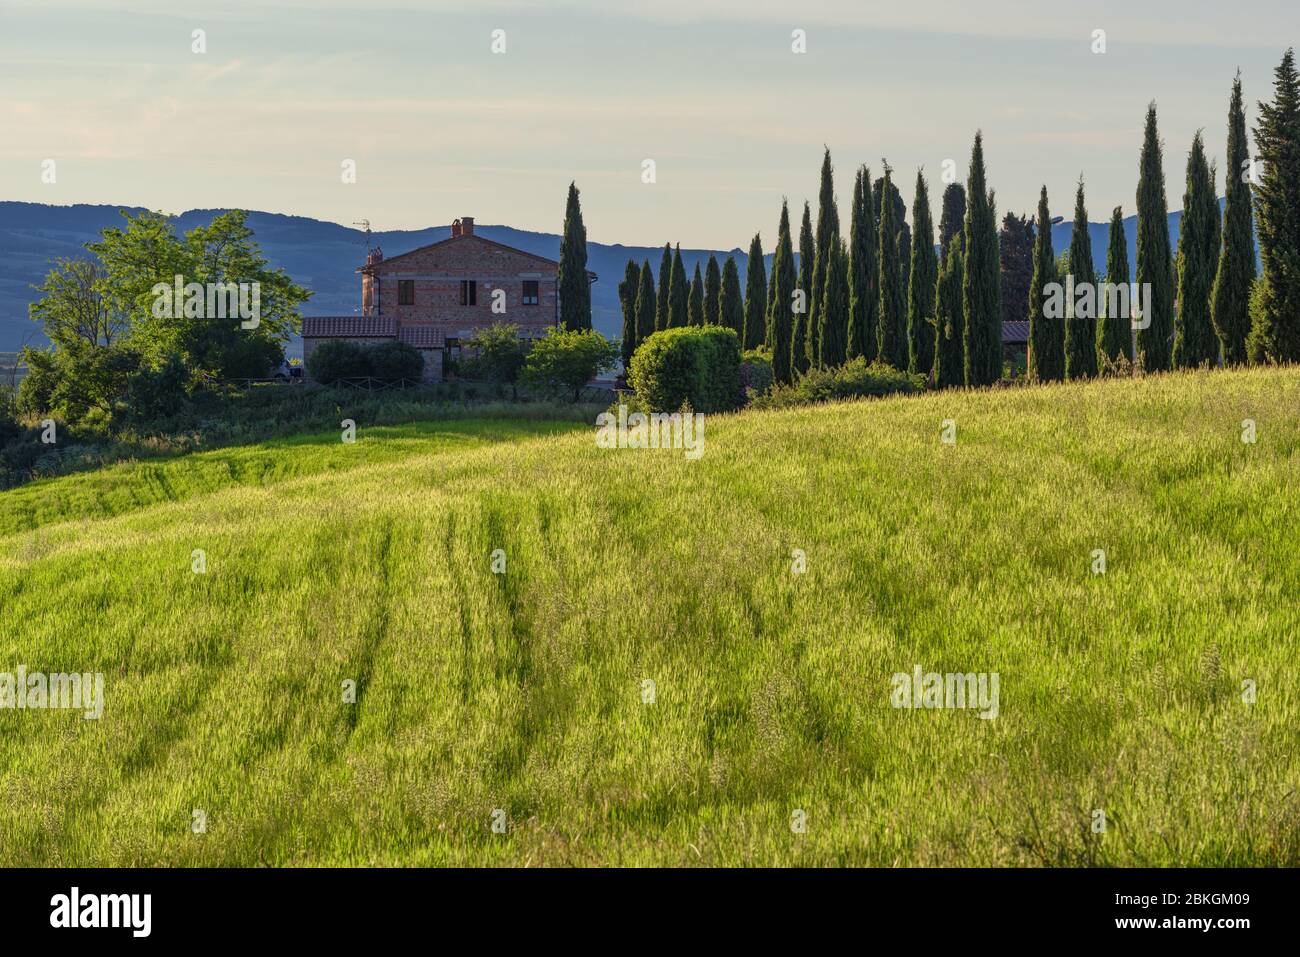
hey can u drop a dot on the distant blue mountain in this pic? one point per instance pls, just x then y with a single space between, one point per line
324 256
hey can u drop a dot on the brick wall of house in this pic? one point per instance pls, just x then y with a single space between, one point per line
437 272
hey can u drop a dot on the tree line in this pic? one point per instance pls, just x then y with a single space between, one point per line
873 292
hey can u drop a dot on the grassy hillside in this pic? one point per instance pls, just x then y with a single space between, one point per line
524 691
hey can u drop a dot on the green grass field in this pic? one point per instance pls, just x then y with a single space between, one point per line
1119 692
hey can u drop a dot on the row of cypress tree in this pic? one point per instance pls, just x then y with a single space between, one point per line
876 294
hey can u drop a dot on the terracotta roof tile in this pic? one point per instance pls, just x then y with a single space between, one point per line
348 327
1015 331
421 337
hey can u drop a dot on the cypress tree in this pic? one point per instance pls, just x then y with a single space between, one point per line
891 329
833 304
800 356
828 236
950 220
574 286
922 278
712 291
902 235
1195 343
1230 297
678 294
1275 329
1081 331
981 308
646 304
1115 333
663 295
755 296
864 295
627 293
1046 330
695 300
731 308
949 357
779 302
1155 341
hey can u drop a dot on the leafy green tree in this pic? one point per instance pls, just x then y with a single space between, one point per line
864 292
695 300
949 360
1275 327
731 308
922 280
1080 331
833 306
800 357
1195 343
1115 333
573 282
1015 265
755 332
73 308
627 293
891 331
496 354
712 291
678 293
647 304
564 360
1155 335
1046 332
781 300
664 295
981 308
1230 296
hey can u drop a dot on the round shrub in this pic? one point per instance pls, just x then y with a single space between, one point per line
392 361
699 365
756 371
337 359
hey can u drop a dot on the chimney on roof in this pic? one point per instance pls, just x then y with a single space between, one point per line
463 227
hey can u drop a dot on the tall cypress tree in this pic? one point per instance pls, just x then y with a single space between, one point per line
1155 341
627 293
828 236
922 278
864 294
1275 330
731 307
800 357
891 329
646 304
1046 330
678 293
712 290
833 306
1195 343
1081 331
950 220
1015 265
949 356
663 296
1230 297
572 281
1115 333
755 296
981 307
779 302
902 233
695 299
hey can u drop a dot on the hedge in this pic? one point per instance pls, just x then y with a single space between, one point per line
699 365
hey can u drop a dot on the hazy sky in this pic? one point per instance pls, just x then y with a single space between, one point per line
439 126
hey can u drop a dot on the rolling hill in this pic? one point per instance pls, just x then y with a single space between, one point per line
650 679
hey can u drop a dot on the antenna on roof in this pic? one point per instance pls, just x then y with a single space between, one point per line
366 224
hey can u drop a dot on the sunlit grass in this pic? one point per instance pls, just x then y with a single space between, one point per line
524 691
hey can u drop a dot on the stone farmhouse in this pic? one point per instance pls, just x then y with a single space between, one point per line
436 297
